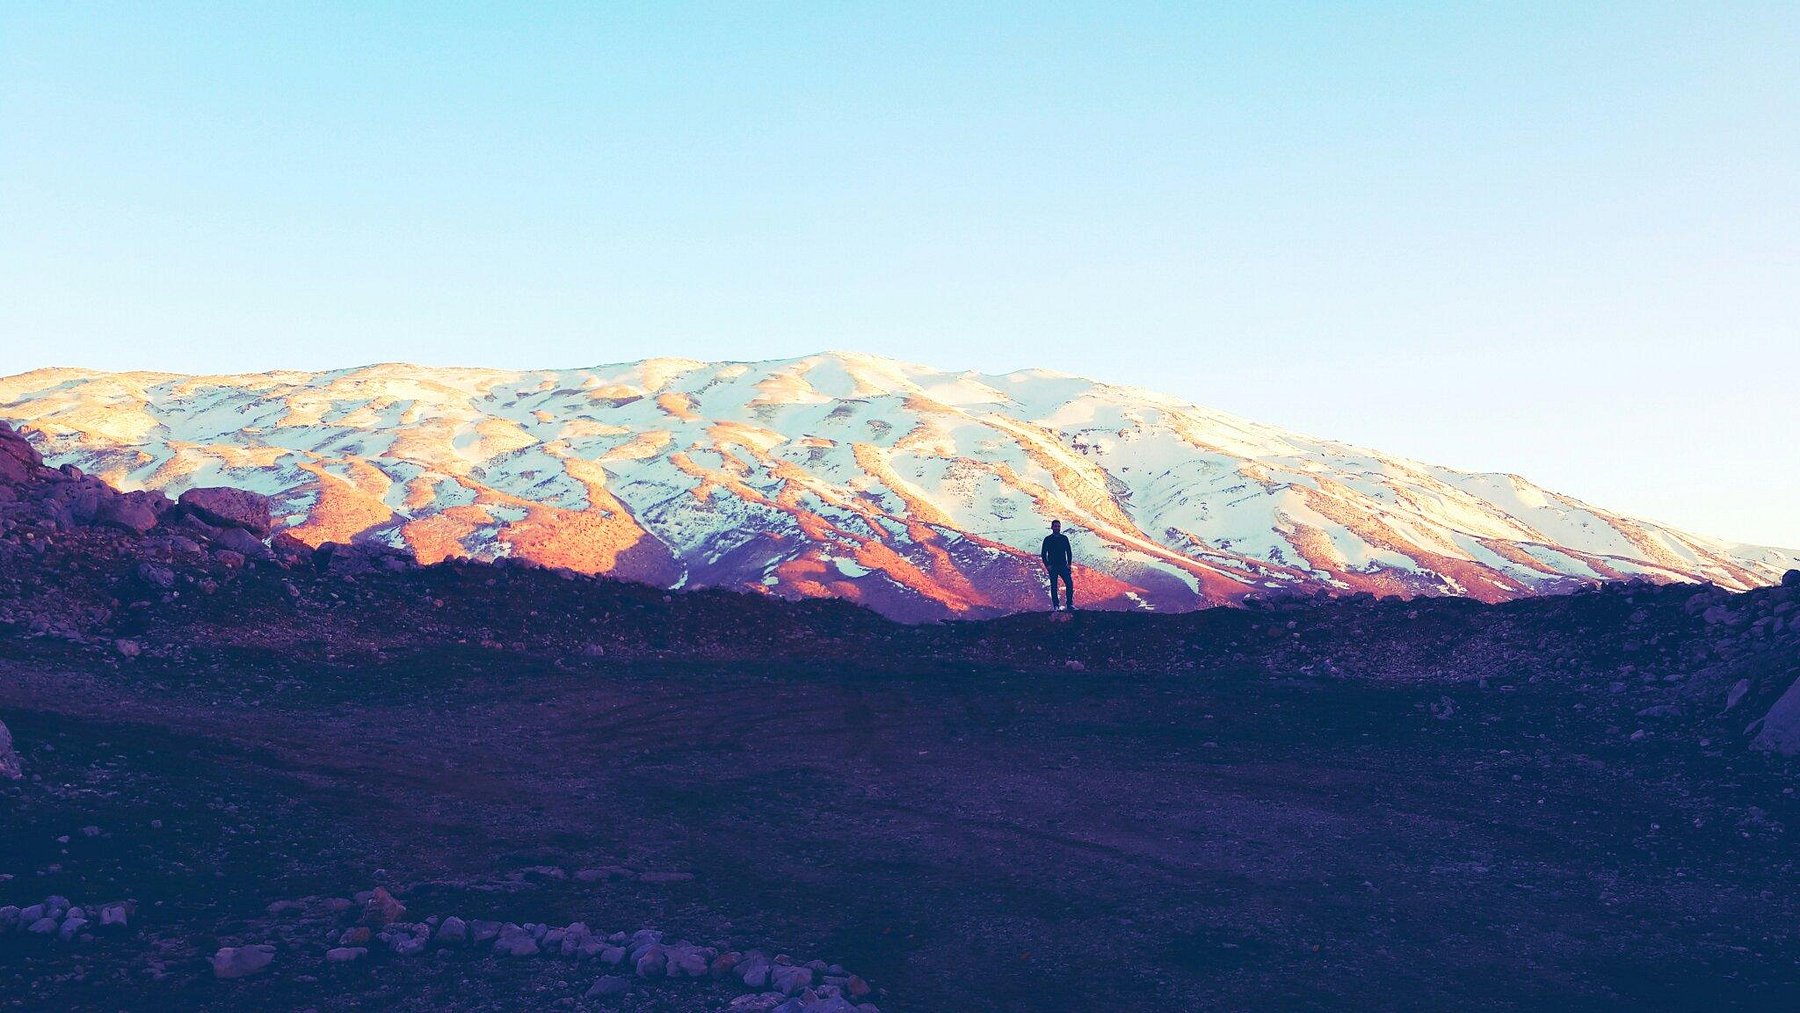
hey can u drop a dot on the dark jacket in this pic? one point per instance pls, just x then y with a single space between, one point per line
1056 553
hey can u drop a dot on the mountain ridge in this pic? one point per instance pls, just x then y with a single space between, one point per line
913 490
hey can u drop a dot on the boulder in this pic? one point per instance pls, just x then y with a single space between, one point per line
10 768
160 577
686 963
653 963
409 946
1781 726
453 930
382 909
242 961
1791 579
240 541
754 972
345 954
515 941
483 931
789 980
227 507
136 512
288 546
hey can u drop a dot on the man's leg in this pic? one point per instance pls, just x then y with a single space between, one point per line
1069 587
1052 590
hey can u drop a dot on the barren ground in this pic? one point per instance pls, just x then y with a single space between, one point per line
967 833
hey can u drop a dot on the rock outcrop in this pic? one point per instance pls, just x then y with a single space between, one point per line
10 768
1780 731
227 507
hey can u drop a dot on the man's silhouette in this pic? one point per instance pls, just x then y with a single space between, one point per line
1059 560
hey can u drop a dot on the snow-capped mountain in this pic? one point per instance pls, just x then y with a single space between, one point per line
918 492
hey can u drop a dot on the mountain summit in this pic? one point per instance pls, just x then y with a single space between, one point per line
918 492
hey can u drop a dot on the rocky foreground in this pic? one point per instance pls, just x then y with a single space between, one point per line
239 773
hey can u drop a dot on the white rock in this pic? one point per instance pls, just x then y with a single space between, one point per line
9 758
687 964
653 962
755 972
453 930
483 931
1737 693
242 961
612 984
788 980
515 941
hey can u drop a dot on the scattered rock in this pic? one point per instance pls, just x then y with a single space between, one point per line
136 512
345 954
483 931
789 980
453 930
515 941
242 961
610 985
382 909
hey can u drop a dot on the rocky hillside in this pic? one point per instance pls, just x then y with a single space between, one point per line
118 572
919 493
239 772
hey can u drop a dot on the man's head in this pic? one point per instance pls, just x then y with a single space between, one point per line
1056 527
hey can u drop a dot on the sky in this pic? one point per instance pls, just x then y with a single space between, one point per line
1559 239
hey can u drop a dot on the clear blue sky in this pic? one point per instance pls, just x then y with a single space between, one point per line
1561 239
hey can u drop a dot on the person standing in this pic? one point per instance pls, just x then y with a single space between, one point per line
1059 560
